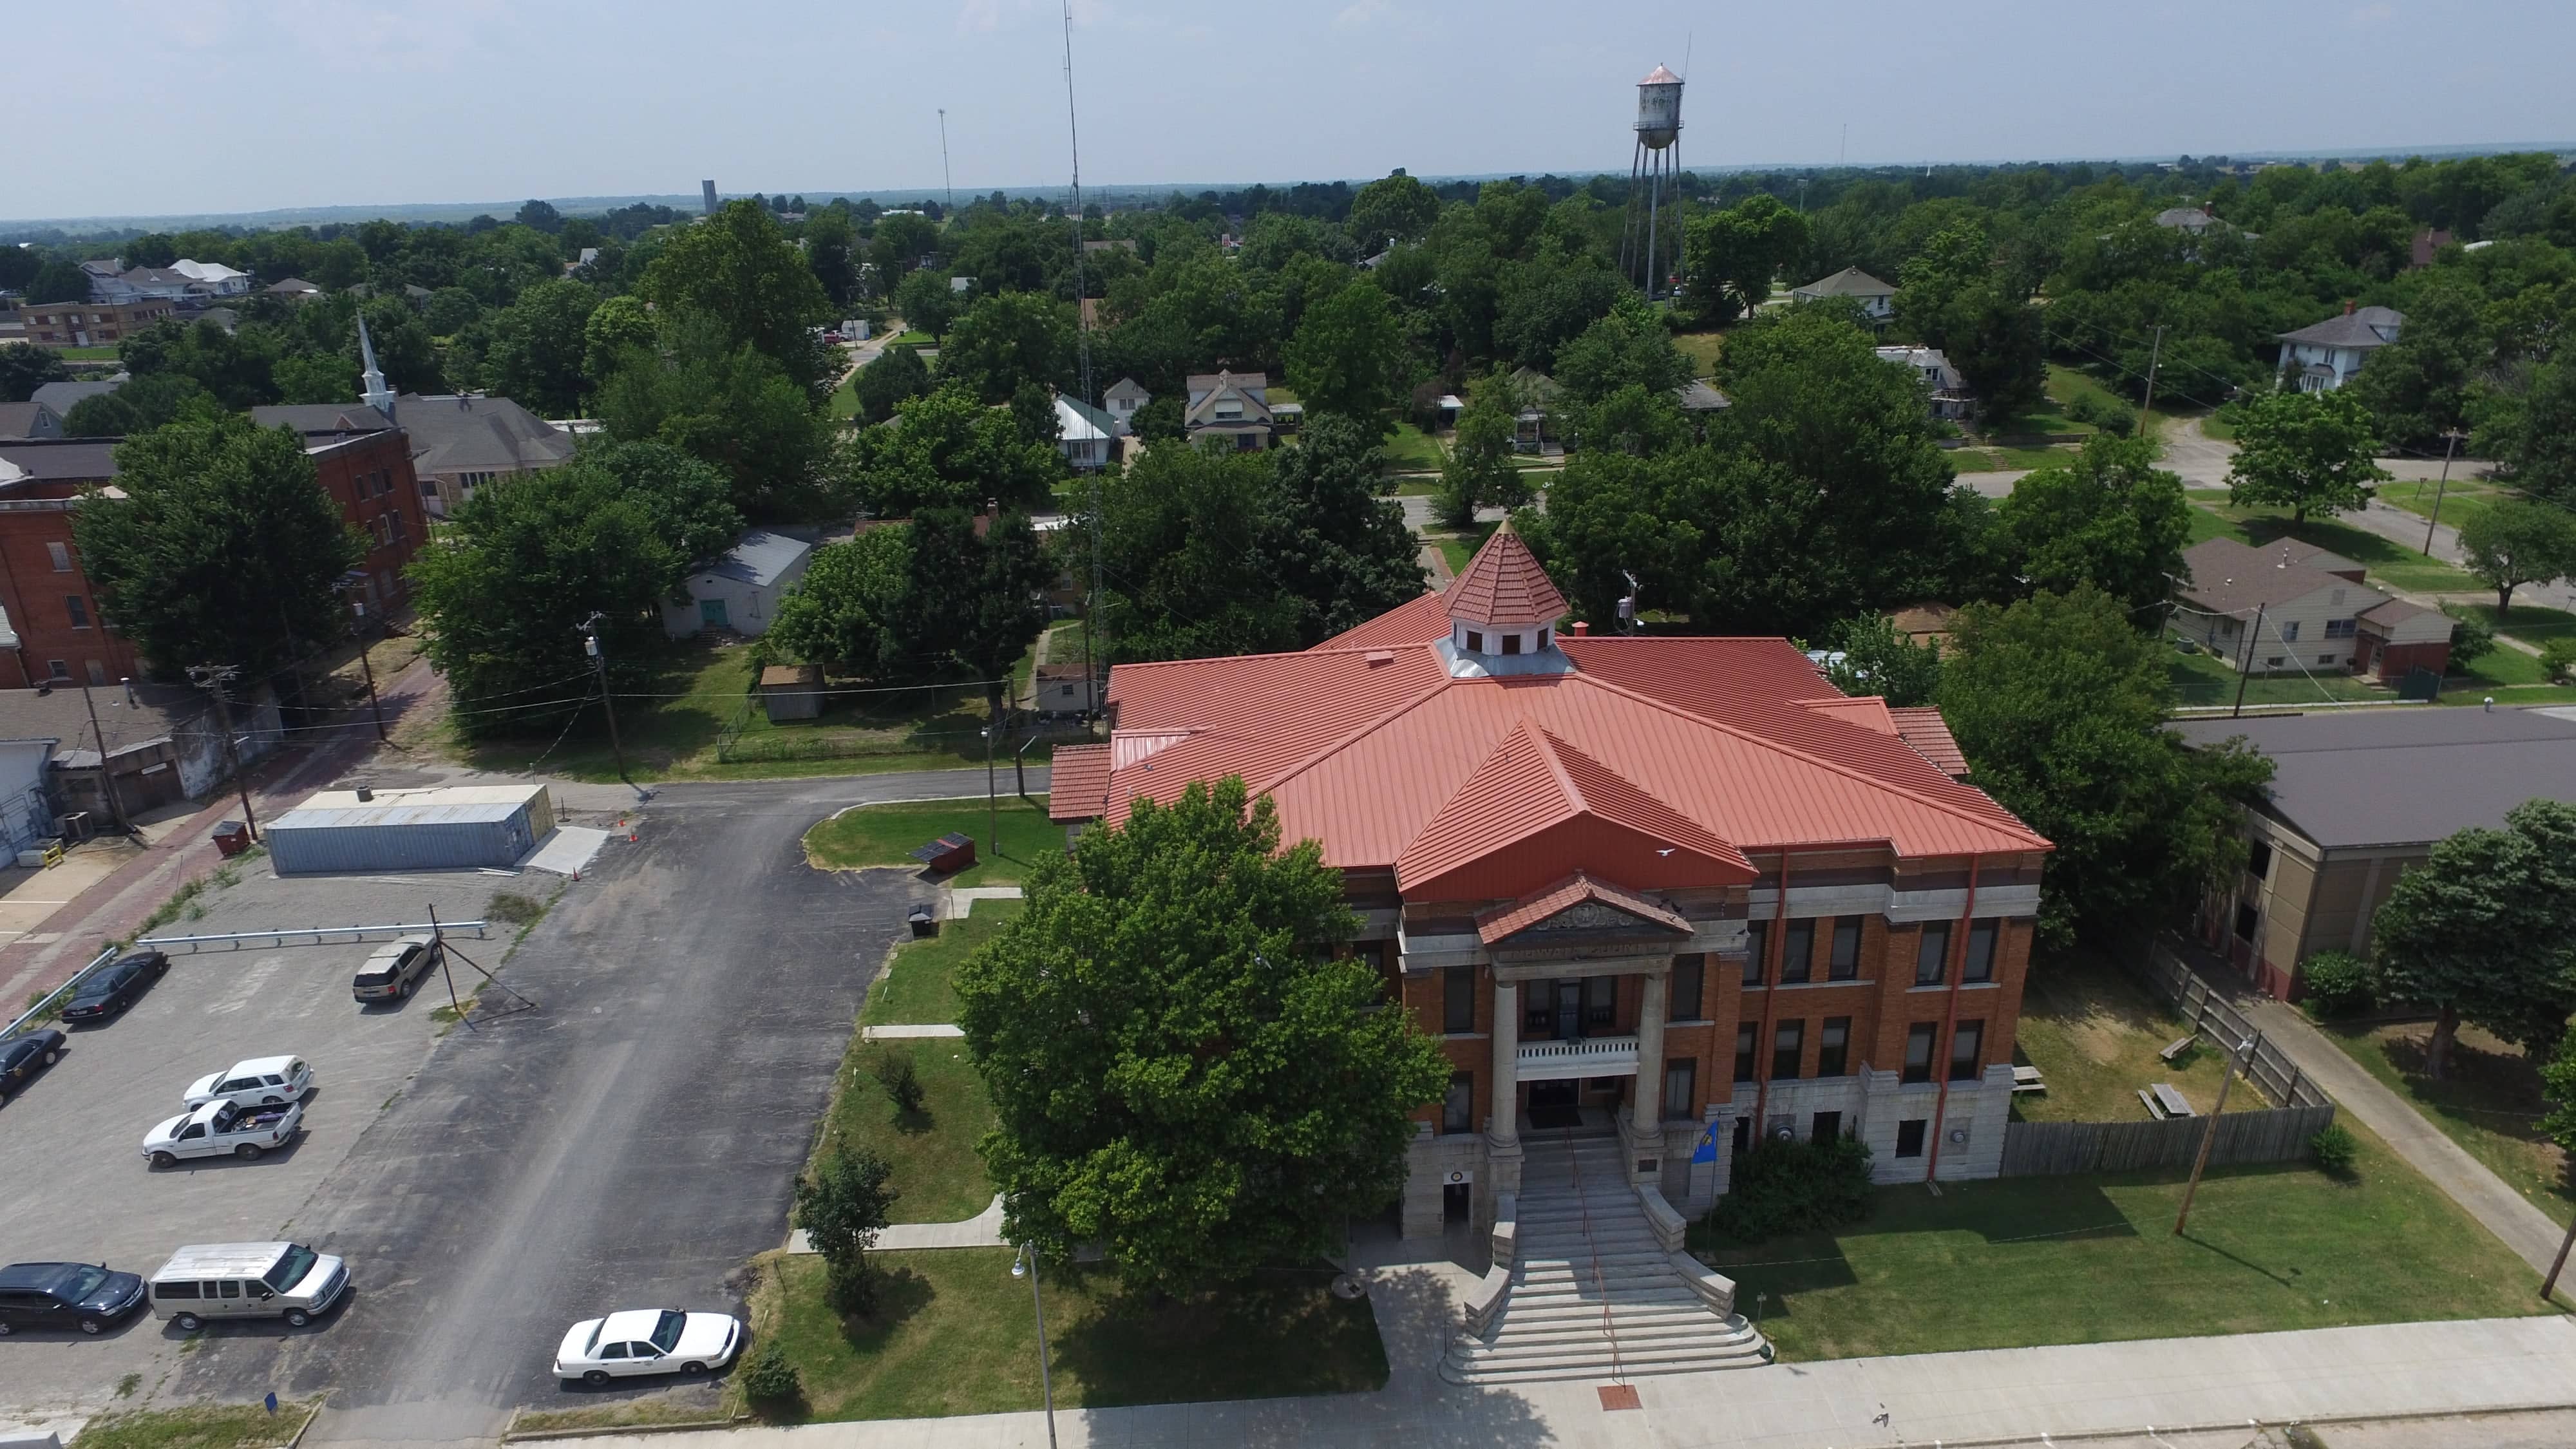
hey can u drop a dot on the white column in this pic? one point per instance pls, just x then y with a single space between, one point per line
1647 1106
1505 1128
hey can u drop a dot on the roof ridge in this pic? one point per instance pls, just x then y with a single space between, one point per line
1339 742
1846 771
1548 746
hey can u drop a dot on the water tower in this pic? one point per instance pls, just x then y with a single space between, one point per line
1657 164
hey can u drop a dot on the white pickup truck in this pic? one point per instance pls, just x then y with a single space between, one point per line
220 1127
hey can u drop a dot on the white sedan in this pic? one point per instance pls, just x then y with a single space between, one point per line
259 1082
647 1341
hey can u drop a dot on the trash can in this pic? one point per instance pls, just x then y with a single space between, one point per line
232 837
925 922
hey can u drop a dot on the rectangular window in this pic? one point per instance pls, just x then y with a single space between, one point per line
1909 1137
1798 951
1458 1108
2342 628
1600 1000
1475 642
1458 1000
1967 1043
1786 1040
1918 1051
1511 643
1844 963
57 669
1743 1137
1981 952
1744 1048
401 529
1681 1002
2258 859
1757 951
2246 919
1681 1082
1826 1127
78 608
174 1290
61 555
1932 954
1833 1047
2290 632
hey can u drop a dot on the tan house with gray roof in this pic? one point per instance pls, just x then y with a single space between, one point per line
2290 607
1224 405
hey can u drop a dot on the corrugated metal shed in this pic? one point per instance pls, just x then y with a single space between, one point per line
449 829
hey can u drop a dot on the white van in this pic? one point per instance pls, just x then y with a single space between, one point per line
247 1280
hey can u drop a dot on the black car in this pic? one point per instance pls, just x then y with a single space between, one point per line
65 1295
114 987
21 1057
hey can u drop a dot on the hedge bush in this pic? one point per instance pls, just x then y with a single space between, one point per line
1795 1187
2338 984
2334 1149
770 1378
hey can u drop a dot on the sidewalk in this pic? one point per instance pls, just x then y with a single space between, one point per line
2172 1385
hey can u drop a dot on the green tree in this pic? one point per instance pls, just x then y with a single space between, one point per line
539 216
1630 347
614 531
897 374
541 346
223 548
1478 471
1954 296
1394 208
2108 517
59 281
2303 451
1349 356
1008 339
733 406
1342 552
927 303
842 1204
2418 386
2482 931
1182 1070
2558 1086
1729 257
740 269
831 253
899 245
2517 541
616 327
1872 656
2059 703
2532 430
848 610
451 310
23 369
139 406
946 450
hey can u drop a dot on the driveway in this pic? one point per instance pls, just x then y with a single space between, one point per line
629 1142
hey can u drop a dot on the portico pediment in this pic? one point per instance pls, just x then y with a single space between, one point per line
1582 917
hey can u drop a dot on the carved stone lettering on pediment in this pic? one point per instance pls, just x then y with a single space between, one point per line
1590 918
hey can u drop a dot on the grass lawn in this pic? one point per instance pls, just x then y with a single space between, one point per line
2199 679
955 1333
918 986
2490 1104
1415 487
1458 548
2528 622
2094 1032
624 1413
1412 450
2462 500
936 1168
874 835
1703 349
912 339
86 354
200 1426
845 399
2031 1260
2391 563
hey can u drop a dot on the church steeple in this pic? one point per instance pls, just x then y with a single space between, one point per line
377 395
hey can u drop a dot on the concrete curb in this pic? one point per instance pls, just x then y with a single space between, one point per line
512 1434
2257 1426
310 1415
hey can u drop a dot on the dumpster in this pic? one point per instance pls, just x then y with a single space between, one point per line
232 837
924 921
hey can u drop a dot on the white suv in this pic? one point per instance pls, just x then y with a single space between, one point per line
259 1082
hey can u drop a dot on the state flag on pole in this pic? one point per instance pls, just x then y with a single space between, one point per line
1705 1150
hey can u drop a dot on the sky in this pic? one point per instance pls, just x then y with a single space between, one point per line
248 105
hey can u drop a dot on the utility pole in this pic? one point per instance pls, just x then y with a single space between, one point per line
106 776
367 666
216 680
2245 663
599 663
2209 1134
2155 354
992 791
1026 1261
2450 445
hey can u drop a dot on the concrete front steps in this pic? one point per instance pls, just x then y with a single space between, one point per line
1593 1292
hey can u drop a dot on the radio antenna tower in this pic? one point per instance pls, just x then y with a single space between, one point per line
946 179
1656 164
1082 343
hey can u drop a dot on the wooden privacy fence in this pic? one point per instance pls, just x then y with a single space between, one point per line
2227 1029
2052 1149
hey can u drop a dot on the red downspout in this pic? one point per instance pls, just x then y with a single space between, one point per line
1958 970
1772 951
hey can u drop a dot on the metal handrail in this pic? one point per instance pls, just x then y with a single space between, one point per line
37 1007
280 934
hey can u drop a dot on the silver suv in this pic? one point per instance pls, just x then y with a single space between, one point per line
395 970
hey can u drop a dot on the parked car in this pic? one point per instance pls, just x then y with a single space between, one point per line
21 1057
219 1128
395 970
647 1341
114 987
259 1082
247 1280
65 1295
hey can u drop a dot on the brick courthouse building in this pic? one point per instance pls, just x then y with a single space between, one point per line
1679 890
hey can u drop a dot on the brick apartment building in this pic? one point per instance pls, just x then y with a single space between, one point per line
365 463
51 611
1676 891
90 324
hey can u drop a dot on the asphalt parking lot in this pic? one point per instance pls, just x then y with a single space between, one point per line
78 1188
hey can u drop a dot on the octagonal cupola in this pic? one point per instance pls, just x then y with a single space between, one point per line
1502 612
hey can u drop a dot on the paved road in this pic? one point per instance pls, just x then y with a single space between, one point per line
629 1143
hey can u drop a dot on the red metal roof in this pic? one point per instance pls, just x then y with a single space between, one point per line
1658 762
1503 584
1929 734
1504 922
1078 784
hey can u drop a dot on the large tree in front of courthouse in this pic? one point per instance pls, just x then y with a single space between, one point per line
1184 1068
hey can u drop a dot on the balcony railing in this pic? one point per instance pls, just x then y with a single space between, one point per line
1591 1056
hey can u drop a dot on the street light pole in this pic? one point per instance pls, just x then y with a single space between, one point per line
2450 445
106 776
599 662
1025 1263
